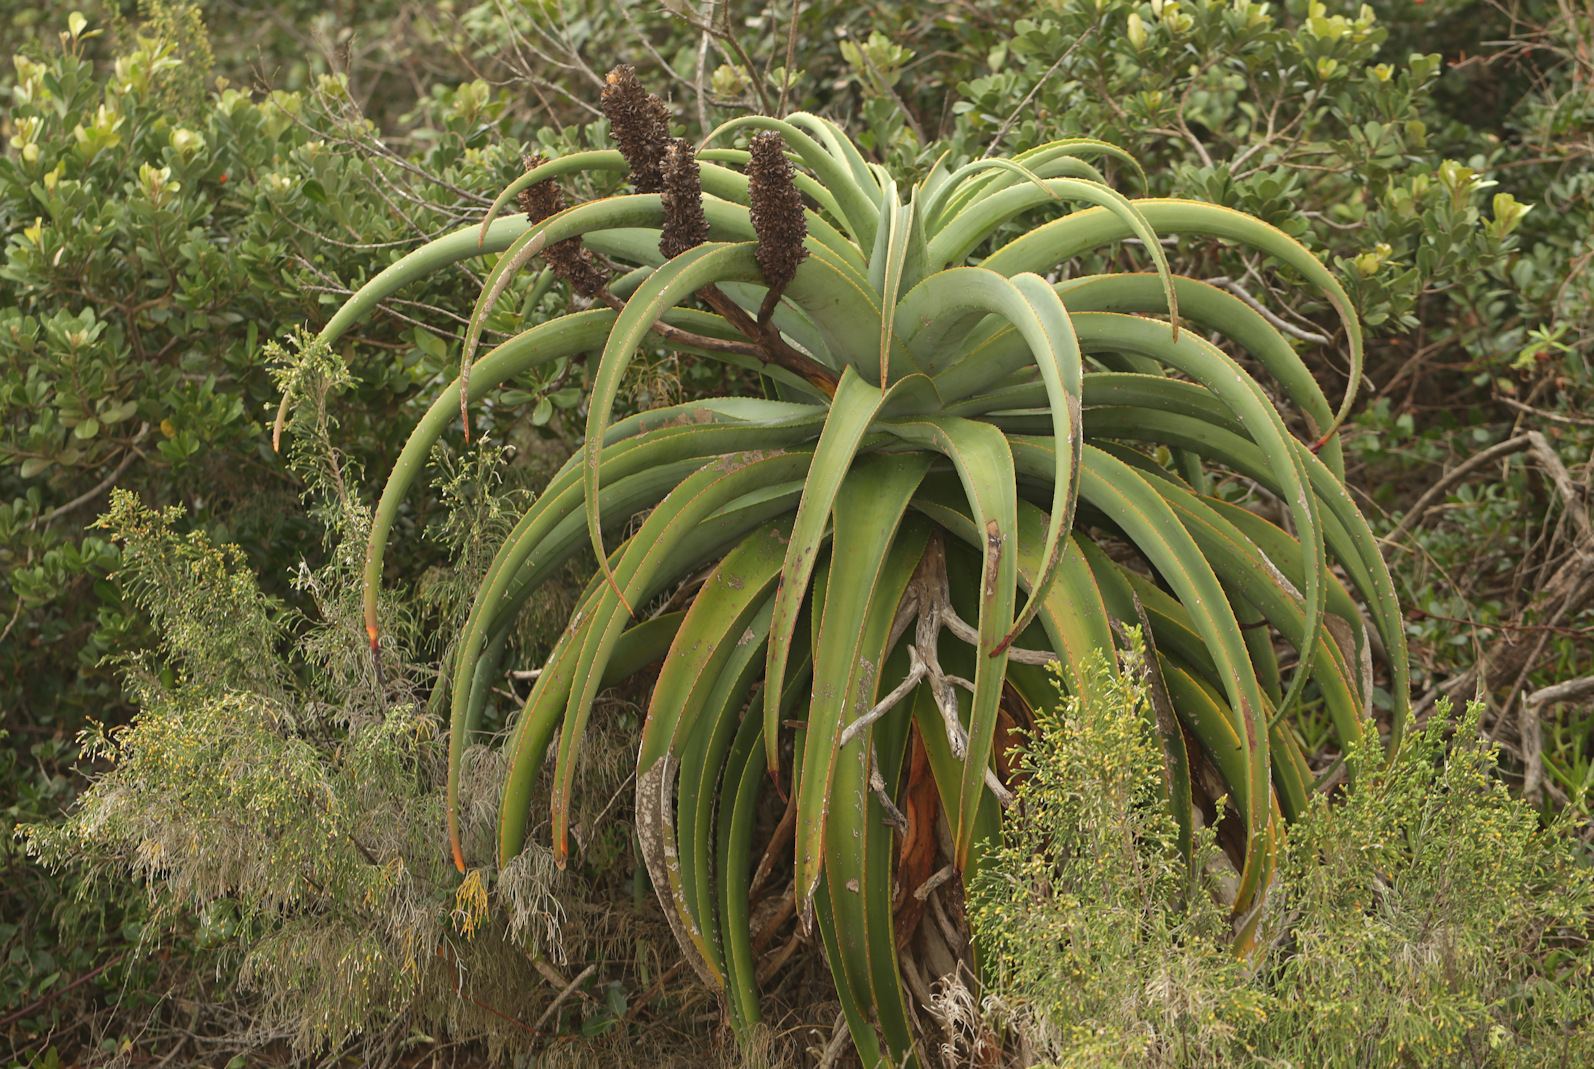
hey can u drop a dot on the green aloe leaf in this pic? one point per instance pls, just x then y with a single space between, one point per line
693 712
1209 308
890 272
865 175
1219 373
671 527
977 222
933 206
696 754
1038 161
868 511
528 742
854 410
682 276
1072 615
1032 307
984 463
1062 239
644 469
575 163
1345 531
857 839
1251 575
857 202
741 789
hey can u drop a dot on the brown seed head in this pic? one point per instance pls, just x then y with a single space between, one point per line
573 262
684 224
543 199
640 125
777 209
568 258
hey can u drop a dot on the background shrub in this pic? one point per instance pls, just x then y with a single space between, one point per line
1425 919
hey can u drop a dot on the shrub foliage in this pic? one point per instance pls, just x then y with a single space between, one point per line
1425 918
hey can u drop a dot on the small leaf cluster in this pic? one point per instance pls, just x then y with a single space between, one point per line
1305 123
160 229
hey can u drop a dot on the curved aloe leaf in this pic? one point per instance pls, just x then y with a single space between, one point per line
858 840
1244 569
423 262
855 407
644 570
695 755
1345 530
1072 613
934 205
868 510
1032 306
1124 495
984 463
1218 372
1062 239
528 741
576 162
1210 308
643 469
977 222
1040 161
683 275
740 791
839 145
859 213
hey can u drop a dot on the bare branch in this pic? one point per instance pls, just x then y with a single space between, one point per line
945 873
877 784
1007 125
1234 287
559 999
1550 461
132 454
1438 490
917 671
1570 690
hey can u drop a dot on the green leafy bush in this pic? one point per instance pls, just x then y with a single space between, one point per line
295 819
159 233
154 225
1101 947
1422 918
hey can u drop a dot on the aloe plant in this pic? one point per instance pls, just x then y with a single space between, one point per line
951 440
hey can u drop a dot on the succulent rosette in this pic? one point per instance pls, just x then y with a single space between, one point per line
967 466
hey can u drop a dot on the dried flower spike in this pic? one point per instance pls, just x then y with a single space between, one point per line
777 210
568 258
640 125
543 199
682 195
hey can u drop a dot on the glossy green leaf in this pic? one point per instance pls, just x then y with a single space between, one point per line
854 409
984 463
868 510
